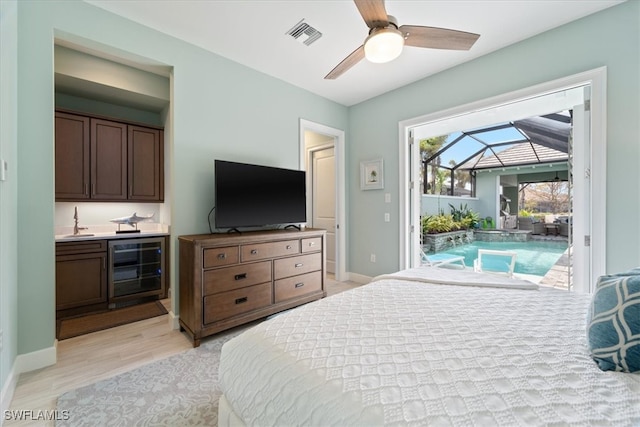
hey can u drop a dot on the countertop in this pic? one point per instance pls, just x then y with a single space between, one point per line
65 234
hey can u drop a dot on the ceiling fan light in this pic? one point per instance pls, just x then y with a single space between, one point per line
383 45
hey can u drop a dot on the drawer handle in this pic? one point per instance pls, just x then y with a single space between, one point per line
288 246
299 285
298 265
254 252
240 276
241 300
312 243
222 256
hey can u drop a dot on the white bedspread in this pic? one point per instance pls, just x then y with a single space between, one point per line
399 352
445 276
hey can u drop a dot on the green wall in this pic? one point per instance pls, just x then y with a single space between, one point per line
220 110
610 38
8 189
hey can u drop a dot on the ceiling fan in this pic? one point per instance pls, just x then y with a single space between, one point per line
386 38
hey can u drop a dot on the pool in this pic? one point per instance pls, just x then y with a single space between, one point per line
533 257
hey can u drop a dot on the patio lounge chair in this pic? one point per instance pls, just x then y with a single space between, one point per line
437 260
492 261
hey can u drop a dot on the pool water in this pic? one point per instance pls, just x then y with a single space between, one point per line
533 257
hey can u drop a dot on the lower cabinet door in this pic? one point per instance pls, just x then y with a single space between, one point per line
232 303
80 280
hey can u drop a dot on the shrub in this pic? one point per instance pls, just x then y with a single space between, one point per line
465 217
459 219
437 224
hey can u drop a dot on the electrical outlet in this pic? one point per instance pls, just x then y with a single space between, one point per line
387 197
373 258
387 217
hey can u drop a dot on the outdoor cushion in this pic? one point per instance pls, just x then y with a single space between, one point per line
613 330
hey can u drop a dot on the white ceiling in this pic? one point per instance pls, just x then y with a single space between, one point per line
253 33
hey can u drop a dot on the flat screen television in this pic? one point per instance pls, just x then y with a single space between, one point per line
248 195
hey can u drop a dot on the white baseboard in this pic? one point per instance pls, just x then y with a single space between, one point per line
24 363
7 391
358 278
174 321
36 359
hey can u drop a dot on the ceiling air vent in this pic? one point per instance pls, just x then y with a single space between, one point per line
304 33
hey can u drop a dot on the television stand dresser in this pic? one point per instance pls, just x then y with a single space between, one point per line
230 279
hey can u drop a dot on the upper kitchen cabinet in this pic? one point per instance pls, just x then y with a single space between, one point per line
104 160
145 164
72 157
108 160
111 109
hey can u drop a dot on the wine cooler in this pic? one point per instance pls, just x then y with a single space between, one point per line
136 269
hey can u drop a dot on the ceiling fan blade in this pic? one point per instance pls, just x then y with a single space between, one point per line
348 62
437 38
373 12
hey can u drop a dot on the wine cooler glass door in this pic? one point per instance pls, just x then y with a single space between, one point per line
136 268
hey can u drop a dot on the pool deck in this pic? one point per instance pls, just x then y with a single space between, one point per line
558 275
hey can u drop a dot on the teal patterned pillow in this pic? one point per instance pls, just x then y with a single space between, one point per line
614 322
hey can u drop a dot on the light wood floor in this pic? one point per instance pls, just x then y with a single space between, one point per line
90 358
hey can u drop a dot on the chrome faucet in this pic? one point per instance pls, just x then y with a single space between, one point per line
76 229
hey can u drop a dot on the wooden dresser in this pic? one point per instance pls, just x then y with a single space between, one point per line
230 279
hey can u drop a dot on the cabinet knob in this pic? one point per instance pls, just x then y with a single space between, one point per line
254 251
288 246
222 256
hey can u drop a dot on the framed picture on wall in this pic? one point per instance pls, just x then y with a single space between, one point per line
371 175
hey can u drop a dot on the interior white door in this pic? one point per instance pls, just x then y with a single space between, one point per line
324 199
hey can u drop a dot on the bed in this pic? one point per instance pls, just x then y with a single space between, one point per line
426 346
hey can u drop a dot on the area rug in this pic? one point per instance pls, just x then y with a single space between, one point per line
181 390
77 326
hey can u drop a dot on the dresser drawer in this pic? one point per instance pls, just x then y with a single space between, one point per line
235 277
293 266
219 257
232 303
312 245
258 251
297 286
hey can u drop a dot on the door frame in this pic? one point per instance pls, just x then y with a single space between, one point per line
339 151
596 79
